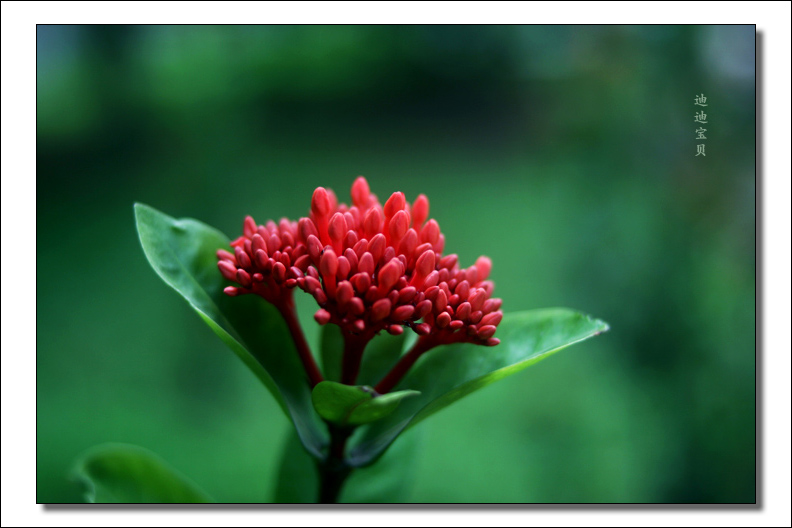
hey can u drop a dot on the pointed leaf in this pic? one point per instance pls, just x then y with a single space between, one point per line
449 373
182 252
121 473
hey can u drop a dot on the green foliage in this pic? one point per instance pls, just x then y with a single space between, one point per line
182 252
120 473
451 372
347 405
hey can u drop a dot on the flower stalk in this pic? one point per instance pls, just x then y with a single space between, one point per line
288 311
354 345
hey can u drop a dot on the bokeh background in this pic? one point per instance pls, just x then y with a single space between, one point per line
566 154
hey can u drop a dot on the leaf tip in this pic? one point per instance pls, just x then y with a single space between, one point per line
602 326
140 206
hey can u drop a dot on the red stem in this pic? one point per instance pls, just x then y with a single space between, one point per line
395 375
289 314
354 345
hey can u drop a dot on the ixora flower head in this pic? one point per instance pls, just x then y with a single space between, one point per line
370 268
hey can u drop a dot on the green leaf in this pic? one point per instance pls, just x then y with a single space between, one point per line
354 405
121 473
335 401
182 252
378 407
387 481
451 372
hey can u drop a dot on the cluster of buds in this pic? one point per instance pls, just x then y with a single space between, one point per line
267 260
462 305
379 267
370 268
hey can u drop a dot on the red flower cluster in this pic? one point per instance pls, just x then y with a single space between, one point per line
265 258
370 268
374 268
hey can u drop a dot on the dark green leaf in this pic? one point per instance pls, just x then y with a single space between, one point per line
120 473
354 405
451 372
182 252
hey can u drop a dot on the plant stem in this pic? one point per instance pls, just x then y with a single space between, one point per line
398 371
289 313
354 345
333 471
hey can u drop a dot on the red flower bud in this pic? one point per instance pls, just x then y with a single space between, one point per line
380 310
420 211
360 192
394 204
320 202
322 317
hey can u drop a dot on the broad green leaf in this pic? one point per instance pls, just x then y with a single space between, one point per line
451 372
387 481
121 473
182 252
354 405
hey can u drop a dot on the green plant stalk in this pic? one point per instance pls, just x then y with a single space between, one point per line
333 470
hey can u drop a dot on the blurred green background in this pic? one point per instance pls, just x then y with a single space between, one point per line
566 154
